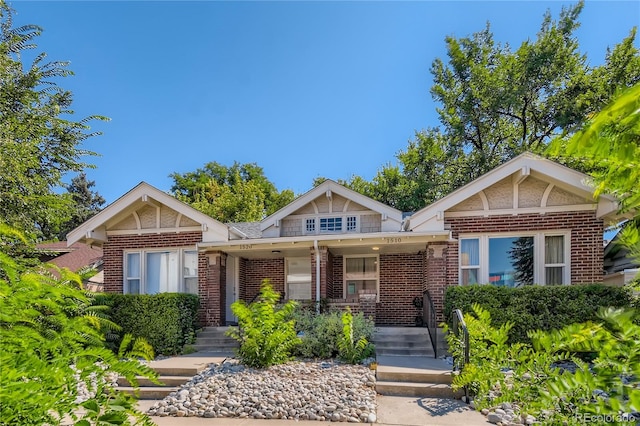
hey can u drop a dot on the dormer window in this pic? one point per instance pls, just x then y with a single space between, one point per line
330 224
352 223
311 226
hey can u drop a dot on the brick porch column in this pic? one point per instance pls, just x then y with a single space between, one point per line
323 272
435 276
212 288
367 302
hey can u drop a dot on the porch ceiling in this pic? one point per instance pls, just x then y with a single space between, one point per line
383 243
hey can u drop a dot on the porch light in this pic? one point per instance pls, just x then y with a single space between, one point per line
275 251
375 248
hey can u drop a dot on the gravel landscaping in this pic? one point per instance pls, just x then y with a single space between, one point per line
296 391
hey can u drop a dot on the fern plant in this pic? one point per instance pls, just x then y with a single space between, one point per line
51 348
352 350
266 332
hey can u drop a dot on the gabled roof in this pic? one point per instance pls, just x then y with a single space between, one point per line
333 187
519 167
94 229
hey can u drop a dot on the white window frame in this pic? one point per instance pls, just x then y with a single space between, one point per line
310 225
344 273
142 253
349 224
333 220
286 274
539 266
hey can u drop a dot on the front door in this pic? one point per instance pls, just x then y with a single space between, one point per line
232 288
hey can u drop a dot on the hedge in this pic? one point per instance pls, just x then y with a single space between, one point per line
167 320
536 307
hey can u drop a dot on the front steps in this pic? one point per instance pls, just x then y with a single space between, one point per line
212 345
407 367
214 340
171 376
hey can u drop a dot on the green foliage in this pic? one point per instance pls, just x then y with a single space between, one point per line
352 349
86 203
135 347
240 193
266 332
51 344
529 378
496 101
167 321
535 307
39 142
609 143
320 333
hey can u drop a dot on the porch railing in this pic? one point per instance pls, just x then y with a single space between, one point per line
459 327
429 319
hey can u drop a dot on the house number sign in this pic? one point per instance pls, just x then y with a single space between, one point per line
394 240
246 246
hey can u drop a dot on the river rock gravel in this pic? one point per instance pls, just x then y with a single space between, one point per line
296 390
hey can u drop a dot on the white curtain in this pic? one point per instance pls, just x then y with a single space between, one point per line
554 249
470 252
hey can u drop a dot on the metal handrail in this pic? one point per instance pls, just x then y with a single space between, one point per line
429 318
460 327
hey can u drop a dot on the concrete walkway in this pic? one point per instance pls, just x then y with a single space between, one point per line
392 410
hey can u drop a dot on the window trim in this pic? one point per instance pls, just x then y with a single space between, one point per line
344 273
539 266
286 274
142 253
344 219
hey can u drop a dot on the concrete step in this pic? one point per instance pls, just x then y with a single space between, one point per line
389 374
400 338
214 332
429 390
417 352
167 381
221 350
173 370
394 331
213 341
403 344
150 392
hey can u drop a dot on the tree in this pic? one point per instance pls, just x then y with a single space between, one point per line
609 143
496 102
39 143
86 203
240 193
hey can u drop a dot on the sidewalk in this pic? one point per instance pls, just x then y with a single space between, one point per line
392 410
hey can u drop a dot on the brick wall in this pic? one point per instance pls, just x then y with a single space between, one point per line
435 275
212 287
401 278
330 282
338 274
587 249
113 252
253 271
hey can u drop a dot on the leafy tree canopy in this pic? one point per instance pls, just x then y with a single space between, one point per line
86 203
240 193
496 102
39 143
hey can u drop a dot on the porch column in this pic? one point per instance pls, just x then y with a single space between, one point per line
367 302
435 276
323 272
212 288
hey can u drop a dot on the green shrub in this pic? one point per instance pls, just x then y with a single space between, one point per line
352 349
265 331
527 376
167 321
536 307
51 342
320 332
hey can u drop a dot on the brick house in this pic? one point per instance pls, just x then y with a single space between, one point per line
528 221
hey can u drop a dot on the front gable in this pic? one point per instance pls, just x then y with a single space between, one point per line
528 184
331 208
147 210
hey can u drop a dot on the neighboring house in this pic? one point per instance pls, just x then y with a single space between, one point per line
619 267
74 257
529 220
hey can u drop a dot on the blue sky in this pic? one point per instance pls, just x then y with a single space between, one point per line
303 89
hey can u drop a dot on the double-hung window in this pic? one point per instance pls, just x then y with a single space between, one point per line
515 260
161 271
298 277
361 273
330 224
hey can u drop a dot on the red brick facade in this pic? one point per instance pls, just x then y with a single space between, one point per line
403 276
